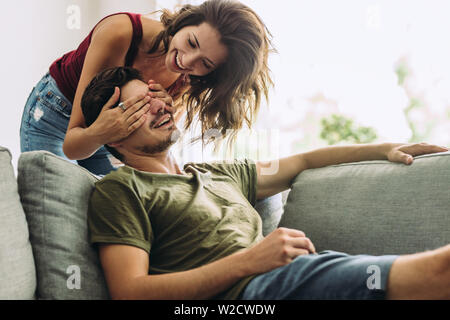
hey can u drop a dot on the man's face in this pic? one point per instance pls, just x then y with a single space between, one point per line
158 132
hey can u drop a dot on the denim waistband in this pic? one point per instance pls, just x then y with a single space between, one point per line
49 91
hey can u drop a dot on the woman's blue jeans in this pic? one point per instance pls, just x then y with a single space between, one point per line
44 124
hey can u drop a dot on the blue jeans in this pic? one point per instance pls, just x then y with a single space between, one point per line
44 123
328 275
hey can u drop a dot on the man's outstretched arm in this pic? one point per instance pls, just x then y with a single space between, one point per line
126 269
126 272
276 176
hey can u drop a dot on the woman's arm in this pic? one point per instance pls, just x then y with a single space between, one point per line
108 48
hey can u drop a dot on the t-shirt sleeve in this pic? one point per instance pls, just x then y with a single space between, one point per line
117 216
242 172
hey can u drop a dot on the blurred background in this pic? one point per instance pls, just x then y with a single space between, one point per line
349 71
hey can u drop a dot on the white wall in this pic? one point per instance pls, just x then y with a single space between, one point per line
34 34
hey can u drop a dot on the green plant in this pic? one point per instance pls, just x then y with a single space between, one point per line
338 128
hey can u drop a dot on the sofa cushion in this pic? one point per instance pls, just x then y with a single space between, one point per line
270 209
17 272
374 207
55 195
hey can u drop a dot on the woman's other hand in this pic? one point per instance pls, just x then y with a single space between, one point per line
157 91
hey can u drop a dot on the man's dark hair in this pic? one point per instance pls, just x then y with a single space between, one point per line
100 90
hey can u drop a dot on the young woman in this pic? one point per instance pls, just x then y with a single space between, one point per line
208 61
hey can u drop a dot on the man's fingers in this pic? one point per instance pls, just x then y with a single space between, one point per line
422 148
293 232
403 157
406 154
303 243
113 100
433 149
298 252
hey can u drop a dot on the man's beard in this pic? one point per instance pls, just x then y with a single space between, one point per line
163 145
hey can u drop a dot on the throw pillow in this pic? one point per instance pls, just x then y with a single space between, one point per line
55 196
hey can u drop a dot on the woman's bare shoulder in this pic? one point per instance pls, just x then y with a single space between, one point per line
116 26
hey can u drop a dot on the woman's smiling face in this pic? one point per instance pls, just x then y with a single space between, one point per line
196 50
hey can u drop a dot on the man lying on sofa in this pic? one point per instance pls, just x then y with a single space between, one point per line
165 232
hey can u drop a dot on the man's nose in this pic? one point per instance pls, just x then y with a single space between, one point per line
157 106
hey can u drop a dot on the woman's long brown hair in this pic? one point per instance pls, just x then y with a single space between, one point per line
230 96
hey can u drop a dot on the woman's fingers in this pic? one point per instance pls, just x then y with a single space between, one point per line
159 92
164 98
138 114
134 104
129 103
155 86
139 122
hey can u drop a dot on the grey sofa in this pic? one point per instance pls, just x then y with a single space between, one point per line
372 207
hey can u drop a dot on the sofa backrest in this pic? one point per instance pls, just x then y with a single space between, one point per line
374 207
17 271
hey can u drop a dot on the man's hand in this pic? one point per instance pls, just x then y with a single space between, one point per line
404 153
279 248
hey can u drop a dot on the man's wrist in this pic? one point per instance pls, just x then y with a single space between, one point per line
242 267
386 147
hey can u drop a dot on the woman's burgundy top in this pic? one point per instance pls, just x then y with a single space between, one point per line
67 70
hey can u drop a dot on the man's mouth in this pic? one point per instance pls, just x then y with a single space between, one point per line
163 121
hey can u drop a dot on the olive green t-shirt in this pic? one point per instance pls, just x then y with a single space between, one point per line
182 221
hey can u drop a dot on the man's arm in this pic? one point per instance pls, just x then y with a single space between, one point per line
126 269
276 176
